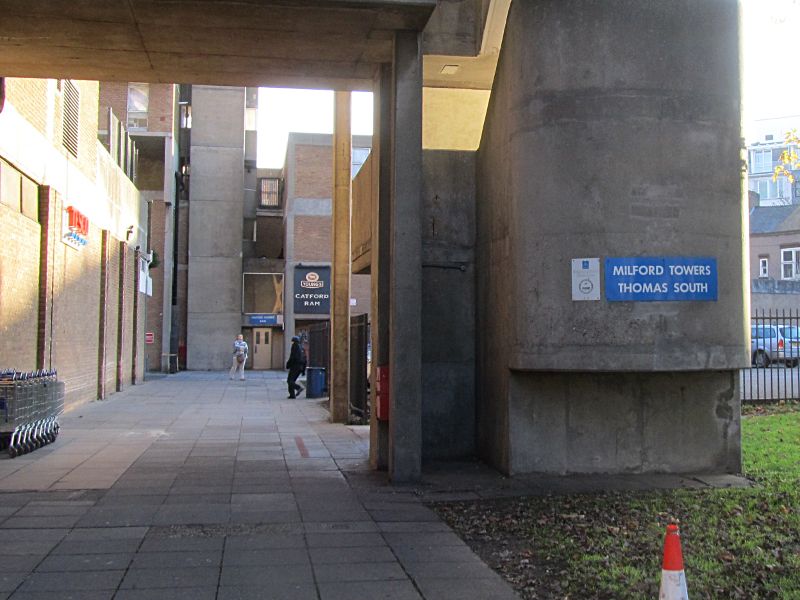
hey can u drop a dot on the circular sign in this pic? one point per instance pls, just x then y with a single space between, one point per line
312 276
586 286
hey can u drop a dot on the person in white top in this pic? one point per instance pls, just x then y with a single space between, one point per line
239 357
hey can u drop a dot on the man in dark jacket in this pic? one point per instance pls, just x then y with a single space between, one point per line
296 365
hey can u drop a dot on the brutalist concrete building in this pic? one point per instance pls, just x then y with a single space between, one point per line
557 236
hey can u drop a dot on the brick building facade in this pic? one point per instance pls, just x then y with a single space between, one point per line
69 298
153 131
308 185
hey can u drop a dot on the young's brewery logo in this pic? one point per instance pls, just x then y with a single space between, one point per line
312 281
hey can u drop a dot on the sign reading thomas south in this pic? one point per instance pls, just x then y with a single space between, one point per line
661 279
312 290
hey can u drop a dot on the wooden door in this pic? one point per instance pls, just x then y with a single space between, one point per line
262 348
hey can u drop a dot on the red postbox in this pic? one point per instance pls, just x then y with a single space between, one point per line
382 393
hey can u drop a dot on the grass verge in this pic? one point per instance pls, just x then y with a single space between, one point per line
737 543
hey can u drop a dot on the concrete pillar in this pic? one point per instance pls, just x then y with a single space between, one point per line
405 311
613 131
340 290
215 214
379 256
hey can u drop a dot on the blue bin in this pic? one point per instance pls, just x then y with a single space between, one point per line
315 380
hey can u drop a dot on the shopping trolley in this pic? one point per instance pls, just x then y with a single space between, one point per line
30 404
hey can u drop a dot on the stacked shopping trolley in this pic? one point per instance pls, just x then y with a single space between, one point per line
30 404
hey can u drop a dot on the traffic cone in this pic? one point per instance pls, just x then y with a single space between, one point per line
673 579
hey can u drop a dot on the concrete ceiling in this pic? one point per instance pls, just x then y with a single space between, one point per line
302 43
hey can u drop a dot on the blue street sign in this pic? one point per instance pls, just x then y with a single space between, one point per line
264 319
661 279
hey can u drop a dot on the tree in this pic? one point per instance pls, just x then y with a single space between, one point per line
790 160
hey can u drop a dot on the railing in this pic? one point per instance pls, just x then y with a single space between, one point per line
319 348
359 384
774 374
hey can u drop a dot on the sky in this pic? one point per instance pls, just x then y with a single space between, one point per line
283 110
770 31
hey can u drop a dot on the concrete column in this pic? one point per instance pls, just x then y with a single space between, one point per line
379 256
405 311
340 290
215 218
642 101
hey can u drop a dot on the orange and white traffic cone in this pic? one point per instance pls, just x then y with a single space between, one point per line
673 579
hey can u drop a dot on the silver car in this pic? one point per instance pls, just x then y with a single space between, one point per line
774 344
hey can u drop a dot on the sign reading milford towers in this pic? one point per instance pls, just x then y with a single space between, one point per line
312 290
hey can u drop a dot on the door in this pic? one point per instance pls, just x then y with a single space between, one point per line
262 348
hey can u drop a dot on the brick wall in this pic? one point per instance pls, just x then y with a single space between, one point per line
87 133
111 316
312 237
74 300
29 97
160 109
126 326
155 303
360 290
150 172
75 310
19 287
313 171
113 95
137 343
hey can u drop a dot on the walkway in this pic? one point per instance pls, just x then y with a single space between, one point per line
195 487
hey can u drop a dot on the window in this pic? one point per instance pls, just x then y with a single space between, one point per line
771 190
763 332
138 102
270 192
186 116
760 161
71 123
763 267
790 263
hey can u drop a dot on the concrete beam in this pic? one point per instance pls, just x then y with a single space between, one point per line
340 292
312 43
405 418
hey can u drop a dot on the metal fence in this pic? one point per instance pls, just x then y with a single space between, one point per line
359 384
774 374
319 349
319 355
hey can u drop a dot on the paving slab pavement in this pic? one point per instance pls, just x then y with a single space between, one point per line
194 486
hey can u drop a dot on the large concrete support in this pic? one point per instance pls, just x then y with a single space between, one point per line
613 131
379 255
215 225
405 418
448 305
340 292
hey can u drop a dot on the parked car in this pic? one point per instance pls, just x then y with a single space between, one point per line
774 344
